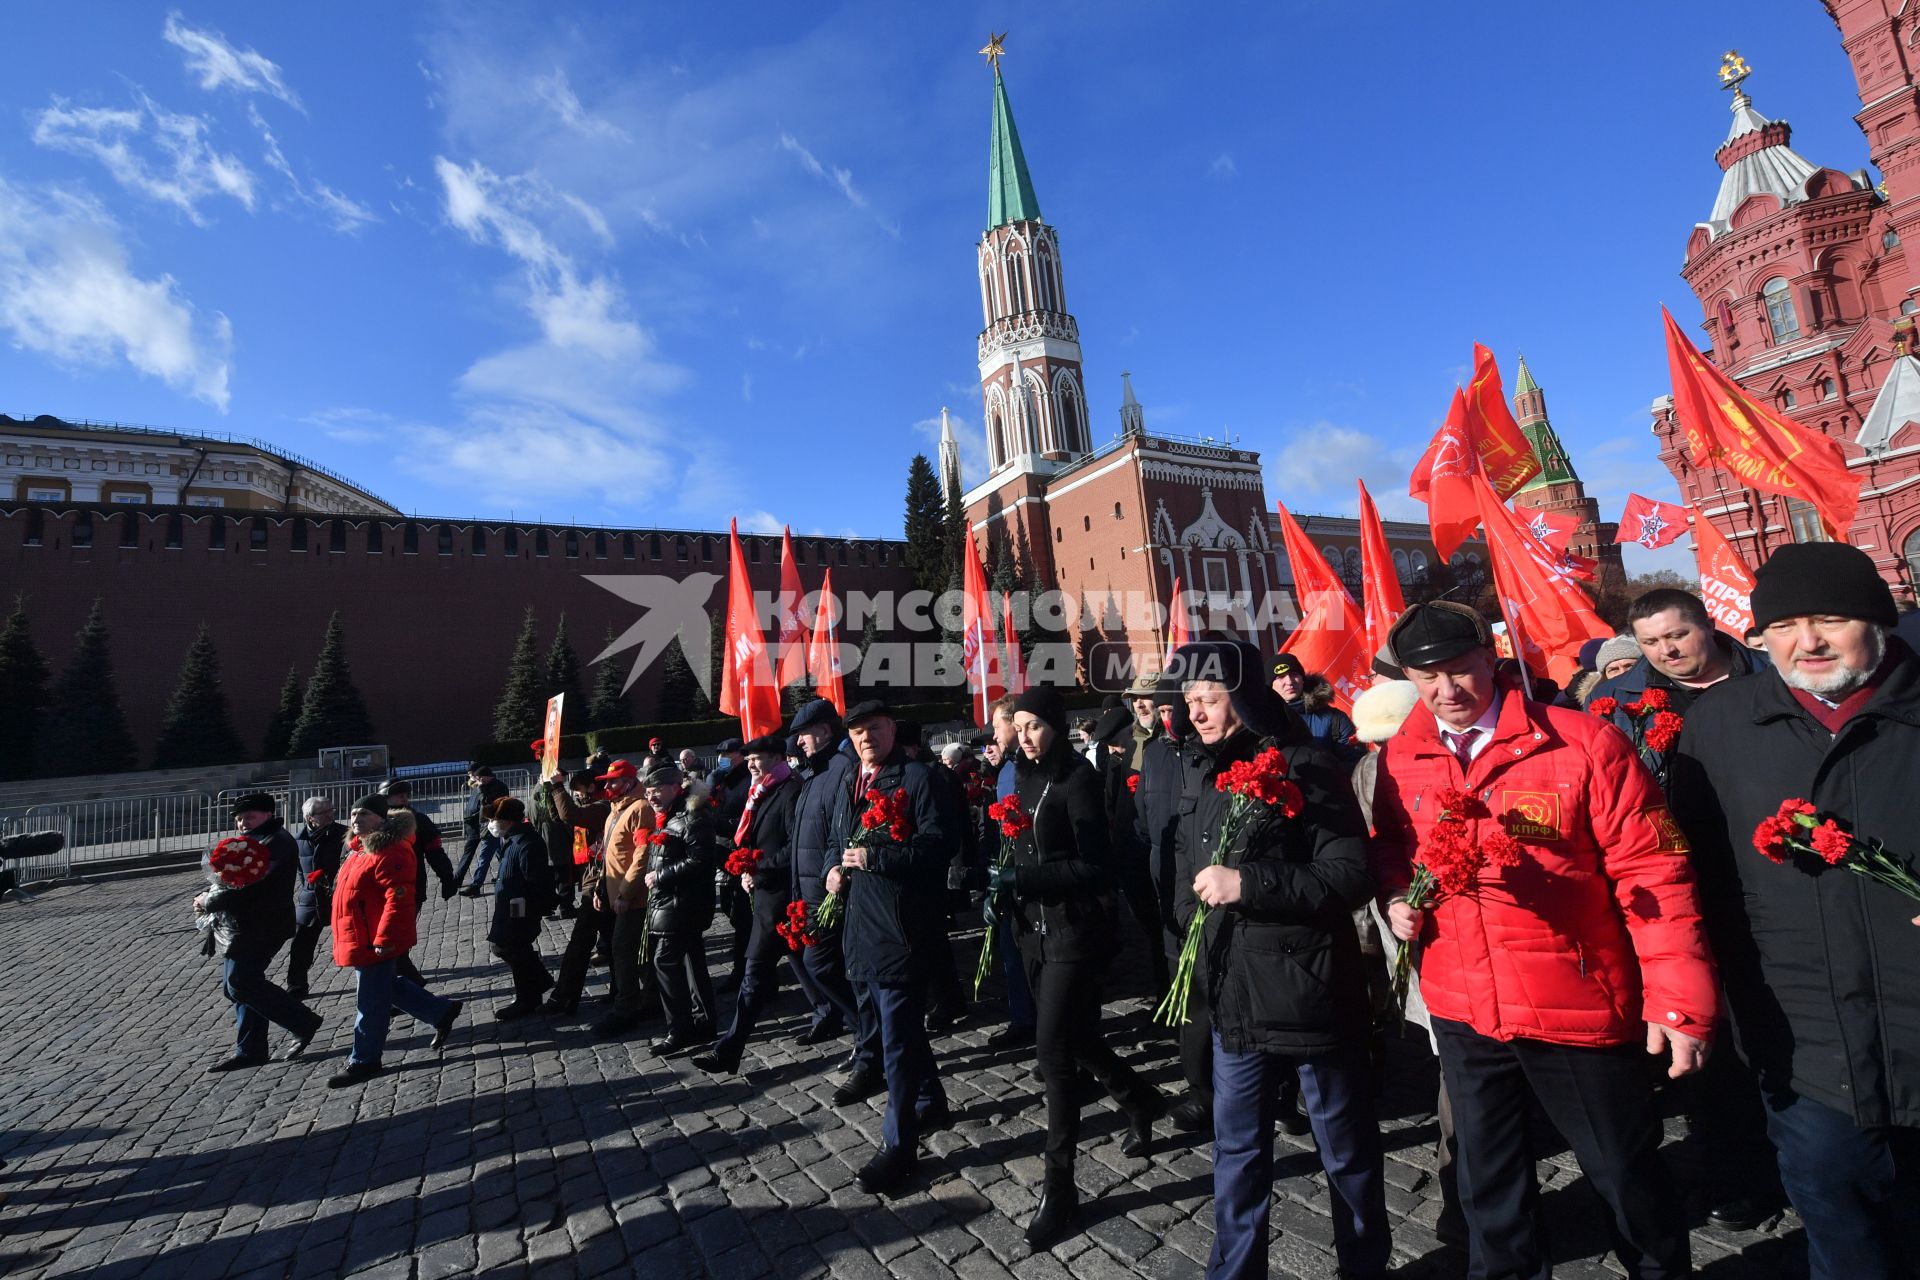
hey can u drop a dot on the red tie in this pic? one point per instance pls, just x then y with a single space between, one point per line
1462 745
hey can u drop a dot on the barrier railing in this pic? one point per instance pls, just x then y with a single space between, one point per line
185 824
51 866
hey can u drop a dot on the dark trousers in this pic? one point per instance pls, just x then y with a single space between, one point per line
530 976
944 991
1196 1038
1723 1104
825 966
306 940
1854 1188
1339 1092
1020 1011
913 1086
628 926
257 1001
1067 1037
1136 886
739 904
686 992
1602 1103
759 981
572 981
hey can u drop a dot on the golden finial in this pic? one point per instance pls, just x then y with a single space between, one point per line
996 46
1733 69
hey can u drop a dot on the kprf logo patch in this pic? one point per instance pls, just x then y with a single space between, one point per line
1531 815
1672 839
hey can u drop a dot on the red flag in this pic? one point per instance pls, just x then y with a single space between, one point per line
1380 580
1505 453
1651 524
1727 428
1725 581
746 683
1555 528
1178 632
978 652
823 651
793 628
1331 639
1443 480
1016 670
1547 615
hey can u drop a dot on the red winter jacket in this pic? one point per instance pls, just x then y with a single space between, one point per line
1599 919
373 895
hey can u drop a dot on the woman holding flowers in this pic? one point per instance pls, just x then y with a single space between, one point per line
1272 866
1056 878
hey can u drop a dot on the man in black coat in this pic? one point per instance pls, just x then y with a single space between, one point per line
1819 964
250 925
322 842
1120 738
482 790
827 773
727 785
520 900
679 883
893 885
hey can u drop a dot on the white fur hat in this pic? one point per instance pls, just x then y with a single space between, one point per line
1382 708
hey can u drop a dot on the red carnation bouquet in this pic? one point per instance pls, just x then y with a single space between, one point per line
1796 827
793 930
1258 788
885 815
238 861
1133 784
1656 726
1015 823
1449 864
743 862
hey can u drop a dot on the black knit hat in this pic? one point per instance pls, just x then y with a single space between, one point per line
771 744
254 802
1241 669
1287 664
1044 704
373 802
1813 578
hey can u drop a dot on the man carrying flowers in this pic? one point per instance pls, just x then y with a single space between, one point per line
1560 935
1271 863
1800 789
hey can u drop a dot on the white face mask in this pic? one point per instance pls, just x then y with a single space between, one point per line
497 828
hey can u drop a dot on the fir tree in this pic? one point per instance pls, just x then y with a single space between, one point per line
928 554
521 713
23 694
608 707
563 670
857 679
279 743
333 714
681 697
198 729
86 730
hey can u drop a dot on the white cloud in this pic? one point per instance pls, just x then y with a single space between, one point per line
1222 166
556 93
840 178
220 65
746 386
762 522
1314 469
189 169
343 213
68 292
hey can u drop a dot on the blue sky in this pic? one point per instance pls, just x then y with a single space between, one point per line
664 264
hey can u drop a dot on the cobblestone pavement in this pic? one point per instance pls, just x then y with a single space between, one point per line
531 1148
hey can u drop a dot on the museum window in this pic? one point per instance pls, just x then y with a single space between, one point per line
1788 400
1782 320
257 534
1827 389
1911 551
1804 519
1891 240
1908 306
82 535
297 535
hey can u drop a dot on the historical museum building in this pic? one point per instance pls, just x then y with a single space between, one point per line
1810 299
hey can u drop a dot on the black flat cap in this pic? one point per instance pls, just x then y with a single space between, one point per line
1432 633
730 744
864 710
254 802
772 744
817 712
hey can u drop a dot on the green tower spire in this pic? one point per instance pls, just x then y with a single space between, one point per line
1010 195
1531 405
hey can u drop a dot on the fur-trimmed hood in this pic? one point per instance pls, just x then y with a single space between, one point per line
397 827
1316 694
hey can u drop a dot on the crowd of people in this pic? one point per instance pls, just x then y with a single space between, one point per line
1639 884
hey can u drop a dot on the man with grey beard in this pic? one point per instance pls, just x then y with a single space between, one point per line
1820 965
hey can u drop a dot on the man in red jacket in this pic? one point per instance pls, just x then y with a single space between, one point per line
1547 968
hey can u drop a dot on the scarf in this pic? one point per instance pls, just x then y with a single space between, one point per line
768 781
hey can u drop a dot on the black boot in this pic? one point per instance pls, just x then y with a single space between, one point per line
1138 1144
1058 1213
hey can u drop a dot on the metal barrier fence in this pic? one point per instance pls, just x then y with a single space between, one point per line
52 866
187 823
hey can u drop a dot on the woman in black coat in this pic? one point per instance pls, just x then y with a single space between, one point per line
1061 886
521 896
323 842
767 825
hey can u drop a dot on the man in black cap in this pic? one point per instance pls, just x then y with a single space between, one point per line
827 770
1819 965
892 886
1119 740
1566 959
679 880
250 925
1311 697
947 1002
482 790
